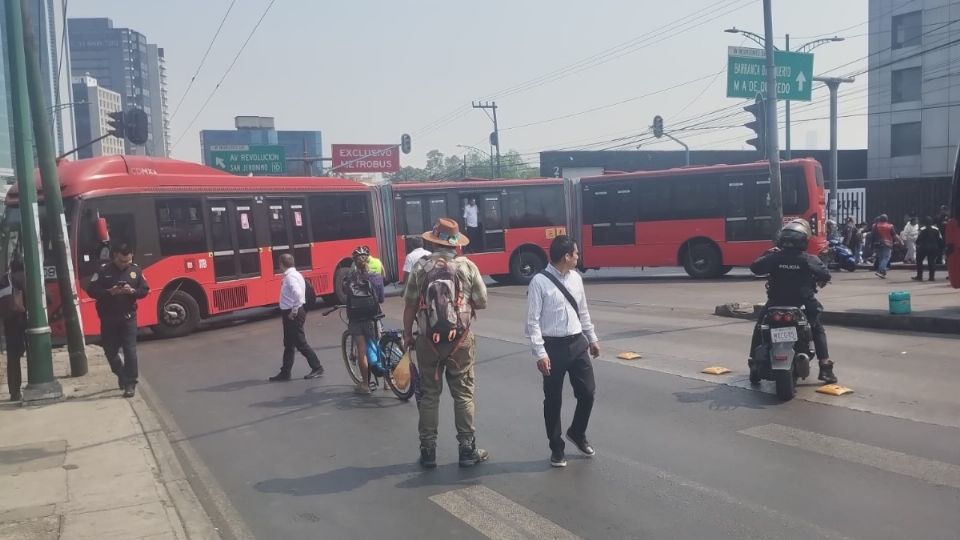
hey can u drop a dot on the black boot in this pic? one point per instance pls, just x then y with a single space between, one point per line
826 373
428 457
470 455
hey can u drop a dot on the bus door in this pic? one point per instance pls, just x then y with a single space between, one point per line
233 239
289 232
748 216
491 221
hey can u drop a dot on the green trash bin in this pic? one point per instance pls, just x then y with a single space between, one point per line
899 303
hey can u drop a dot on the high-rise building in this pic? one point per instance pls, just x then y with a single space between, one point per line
93 105
160 123
913 105
261 131
120 60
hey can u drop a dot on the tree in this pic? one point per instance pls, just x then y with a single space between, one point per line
478 165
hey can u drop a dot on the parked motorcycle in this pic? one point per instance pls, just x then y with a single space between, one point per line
838 255
784 353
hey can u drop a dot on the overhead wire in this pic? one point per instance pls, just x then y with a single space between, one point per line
203 59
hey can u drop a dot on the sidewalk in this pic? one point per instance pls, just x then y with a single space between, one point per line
94 466
860 299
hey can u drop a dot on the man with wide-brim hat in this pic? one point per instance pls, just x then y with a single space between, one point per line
446 348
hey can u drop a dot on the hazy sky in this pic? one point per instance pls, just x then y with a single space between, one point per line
365 71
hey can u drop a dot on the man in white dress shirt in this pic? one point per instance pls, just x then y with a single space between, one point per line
563 340
471 220
293 294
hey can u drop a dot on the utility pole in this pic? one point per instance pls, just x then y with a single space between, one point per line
833 84
53 203
495 136
41 384
786 120
773 145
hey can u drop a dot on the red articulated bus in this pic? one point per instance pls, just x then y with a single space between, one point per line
706 219
952 234
209 242
518 219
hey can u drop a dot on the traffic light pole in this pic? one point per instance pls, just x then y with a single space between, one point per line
773 145
833 84
41 384
53 202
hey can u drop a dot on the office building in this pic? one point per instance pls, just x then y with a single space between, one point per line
261 131
160 128
914 88
93 105
121 60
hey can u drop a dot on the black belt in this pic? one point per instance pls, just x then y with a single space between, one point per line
561 340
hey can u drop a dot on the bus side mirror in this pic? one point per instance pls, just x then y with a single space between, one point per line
103 232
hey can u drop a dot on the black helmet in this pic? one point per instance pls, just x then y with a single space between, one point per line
794 235
362 251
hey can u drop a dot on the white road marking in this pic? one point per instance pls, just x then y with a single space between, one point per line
497 517
928 470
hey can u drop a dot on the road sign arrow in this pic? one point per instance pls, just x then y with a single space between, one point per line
801 79
220 162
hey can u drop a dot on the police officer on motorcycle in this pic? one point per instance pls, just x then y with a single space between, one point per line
793 278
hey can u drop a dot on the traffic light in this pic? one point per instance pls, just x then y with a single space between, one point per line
494 138
658 126
405 143
758 124
116 124
135 126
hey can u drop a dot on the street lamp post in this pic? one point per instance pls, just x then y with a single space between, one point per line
806 47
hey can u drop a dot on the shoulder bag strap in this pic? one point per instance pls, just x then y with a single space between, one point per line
566 293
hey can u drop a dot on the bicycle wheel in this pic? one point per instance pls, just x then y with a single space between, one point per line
391 347
350 358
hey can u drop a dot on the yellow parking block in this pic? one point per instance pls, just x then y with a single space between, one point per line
834 390
716 370
630 355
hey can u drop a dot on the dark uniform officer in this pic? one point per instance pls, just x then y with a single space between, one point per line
117 286
793 277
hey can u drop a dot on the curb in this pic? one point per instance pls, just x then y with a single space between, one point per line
194 519
878 321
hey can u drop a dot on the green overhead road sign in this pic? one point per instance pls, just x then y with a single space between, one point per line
242 159
747 73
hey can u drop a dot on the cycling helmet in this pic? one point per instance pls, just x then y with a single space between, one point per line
362 251
794 235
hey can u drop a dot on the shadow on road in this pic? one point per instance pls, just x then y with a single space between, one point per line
351 478
341 397
723 398
232 386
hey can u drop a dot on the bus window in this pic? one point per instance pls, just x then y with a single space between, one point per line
653 200
180 223
279 243
536 207
249 254
413 216
300 234
614 215
438 209
696 197
339 217
795 199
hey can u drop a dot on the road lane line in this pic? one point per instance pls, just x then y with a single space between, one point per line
928 470
497 517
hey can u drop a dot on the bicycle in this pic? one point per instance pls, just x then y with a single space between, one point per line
390 351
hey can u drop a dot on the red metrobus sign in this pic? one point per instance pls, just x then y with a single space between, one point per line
366 158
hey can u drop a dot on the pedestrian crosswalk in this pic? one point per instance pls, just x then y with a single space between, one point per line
498 517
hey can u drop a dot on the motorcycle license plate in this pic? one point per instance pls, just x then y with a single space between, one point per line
783 335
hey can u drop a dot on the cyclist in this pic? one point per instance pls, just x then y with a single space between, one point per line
364 290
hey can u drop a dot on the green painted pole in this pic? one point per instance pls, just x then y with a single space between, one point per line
53 202
41 383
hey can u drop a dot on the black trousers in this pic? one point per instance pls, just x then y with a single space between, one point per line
14 330
931 258
118 334
812 309
569 355
294 339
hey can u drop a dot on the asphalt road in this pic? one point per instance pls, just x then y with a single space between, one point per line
680 454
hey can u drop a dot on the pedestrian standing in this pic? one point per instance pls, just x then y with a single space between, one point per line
416 253
14 325
293 314
442 294
884 237
942 219
856 242
929 247
364 289
563 340
116 287
471 219
909 235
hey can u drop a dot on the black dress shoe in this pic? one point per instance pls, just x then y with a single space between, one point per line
315 373
279 377
129 391
557 459
582 444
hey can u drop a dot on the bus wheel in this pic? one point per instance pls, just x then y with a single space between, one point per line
179 315
702 261
724 270
339 295
524 265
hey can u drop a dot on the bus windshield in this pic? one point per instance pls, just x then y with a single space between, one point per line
10 246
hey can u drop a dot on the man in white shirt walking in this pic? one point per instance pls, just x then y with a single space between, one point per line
417 253
563 340
471 220
293 293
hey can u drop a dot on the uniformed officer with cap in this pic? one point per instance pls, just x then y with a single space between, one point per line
116 287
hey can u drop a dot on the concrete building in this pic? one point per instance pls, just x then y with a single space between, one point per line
160 129
120 59
261 130
93 105
914 88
